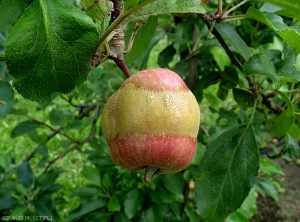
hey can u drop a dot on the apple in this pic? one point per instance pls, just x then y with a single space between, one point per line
152 123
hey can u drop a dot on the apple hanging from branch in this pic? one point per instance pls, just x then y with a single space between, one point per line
152 123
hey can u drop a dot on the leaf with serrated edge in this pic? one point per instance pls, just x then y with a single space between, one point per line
97 10
229 33
291 146
10 11
283 123
168 6
259 64
290 6
297 62
142 40
50 48
288 68
291 35
228 170
295 132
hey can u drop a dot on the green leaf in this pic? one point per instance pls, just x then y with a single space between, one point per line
287 69
161 195
121 217
220 57
269 168
168 6
229 33
85 208
292 7
173 182
236 216
295 132
6 91
217 131
269 7
291 149
10 11
201 149
59 118
6 108
268 188
247 210
106 179
97 10
4 160
7 203
141 62
92 175
291 35
203 83
259 64
46 207
166 56
48 179
230 78
25 174
227 173
43 150
102 163
142 39
283 123
19 211
226 85
222 91
154 214
191 213
297 63
24 127
113 204
41 138
21 189
49 49
42 162
176 209
133 203
243 98
212 99
53 189
115 83
87 192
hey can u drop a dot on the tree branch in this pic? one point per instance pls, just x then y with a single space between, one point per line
61 155
94 126
49 137
115 49
208 19
122 65
192 78
83 113
54 130
117 43
90 137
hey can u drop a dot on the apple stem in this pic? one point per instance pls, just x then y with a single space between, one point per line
150 173
122 65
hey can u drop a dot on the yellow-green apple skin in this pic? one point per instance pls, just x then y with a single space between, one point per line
152 122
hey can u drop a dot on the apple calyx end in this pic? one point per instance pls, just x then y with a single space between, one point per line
150 173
